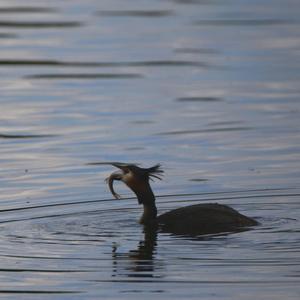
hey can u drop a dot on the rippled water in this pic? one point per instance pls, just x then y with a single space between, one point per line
210 89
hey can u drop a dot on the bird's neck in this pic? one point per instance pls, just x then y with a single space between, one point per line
147 198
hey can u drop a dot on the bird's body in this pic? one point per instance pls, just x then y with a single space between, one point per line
203 219
193 219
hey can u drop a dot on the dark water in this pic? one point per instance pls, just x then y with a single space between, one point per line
210 89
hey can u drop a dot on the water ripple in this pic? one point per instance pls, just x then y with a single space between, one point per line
136 13
27 9
244 22
86 76
40 24
26 136
201 131
199 99
145 63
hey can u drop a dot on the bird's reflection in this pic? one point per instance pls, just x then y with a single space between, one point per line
143 262
139 262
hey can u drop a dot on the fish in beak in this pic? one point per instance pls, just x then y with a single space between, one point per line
110 181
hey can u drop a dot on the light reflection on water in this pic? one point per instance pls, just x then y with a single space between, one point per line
207 89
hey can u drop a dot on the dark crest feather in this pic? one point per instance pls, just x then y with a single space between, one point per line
155 172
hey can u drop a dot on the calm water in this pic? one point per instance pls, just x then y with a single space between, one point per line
210 89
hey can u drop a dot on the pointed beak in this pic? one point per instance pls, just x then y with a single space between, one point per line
110 180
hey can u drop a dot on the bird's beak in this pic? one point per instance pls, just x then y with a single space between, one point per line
110 180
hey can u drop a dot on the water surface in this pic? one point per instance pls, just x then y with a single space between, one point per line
210 89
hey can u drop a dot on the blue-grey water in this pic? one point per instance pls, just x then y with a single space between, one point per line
210 89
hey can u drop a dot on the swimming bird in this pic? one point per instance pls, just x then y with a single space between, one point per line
193 219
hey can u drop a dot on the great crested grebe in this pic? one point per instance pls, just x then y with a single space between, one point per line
193 219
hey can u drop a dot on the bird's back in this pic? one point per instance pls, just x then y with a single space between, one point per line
203 219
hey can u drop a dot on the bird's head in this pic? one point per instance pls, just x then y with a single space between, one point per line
136 178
